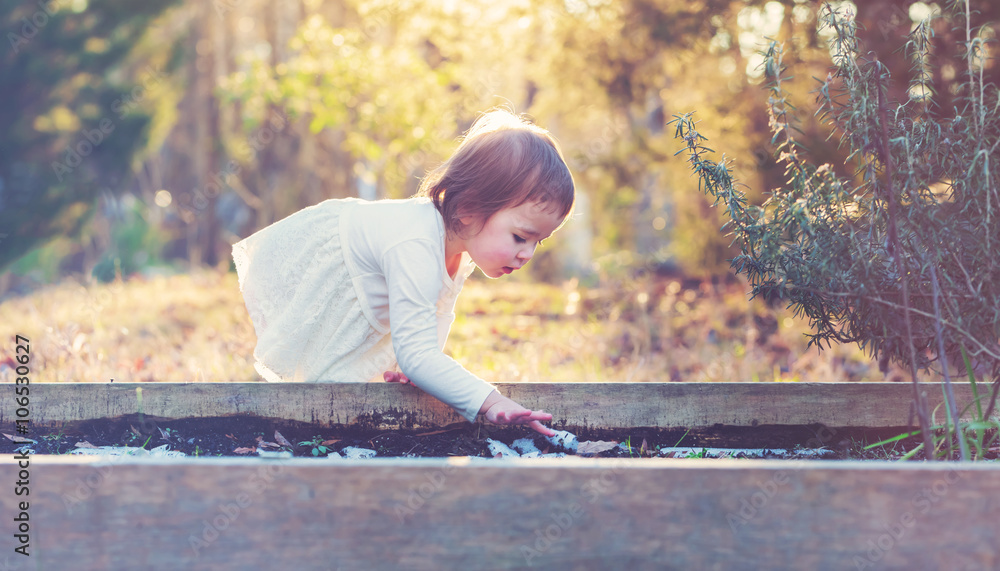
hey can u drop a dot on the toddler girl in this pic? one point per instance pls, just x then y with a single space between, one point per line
347 289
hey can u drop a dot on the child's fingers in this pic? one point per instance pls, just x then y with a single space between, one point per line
536 415
394 377
529 416
519 416
541 428
504 417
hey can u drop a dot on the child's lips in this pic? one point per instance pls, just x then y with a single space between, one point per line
508 269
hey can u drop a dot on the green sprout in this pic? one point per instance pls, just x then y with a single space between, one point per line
316 445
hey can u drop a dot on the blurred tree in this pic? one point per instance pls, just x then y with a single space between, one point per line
281 105
346 79
611 71
71 113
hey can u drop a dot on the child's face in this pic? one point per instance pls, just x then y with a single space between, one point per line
509 238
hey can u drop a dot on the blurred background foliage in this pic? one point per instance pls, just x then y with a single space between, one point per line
75 78
223 117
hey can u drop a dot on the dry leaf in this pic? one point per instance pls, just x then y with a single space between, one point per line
262 444
134 431
595 447
20 439
244 450
329 442
85 444
643 448
163 433
281 439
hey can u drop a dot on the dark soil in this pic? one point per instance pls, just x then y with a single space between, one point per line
223 436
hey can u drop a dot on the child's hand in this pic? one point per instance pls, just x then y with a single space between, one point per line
394 377
499 409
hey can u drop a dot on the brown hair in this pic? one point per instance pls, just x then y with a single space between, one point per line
502 162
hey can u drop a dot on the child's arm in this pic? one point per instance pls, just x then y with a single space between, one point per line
414 273
414 278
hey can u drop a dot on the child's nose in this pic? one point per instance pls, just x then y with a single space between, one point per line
526 252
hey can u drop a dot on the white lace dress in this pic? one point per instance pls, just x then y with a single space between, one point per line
300 297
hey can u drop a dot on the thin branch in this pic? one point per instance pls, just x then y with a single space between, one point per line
983 349
948 388
897 251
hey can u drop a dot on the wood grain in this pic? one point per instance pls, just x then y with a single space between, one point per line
586 405
303 514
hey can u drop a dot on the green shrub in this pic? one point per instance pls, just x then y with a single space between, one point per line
899 258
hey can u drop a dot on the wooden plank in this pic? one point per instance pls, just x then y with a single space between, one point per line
586 405
570 513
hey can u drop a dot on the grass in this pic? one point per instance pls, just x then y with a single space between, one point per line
193 328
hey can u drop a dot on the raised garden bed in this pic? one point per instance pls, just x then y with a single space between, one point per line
245 435
241 418
474 512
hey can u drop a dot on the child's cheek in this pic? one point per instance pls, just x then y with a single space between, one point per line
500 255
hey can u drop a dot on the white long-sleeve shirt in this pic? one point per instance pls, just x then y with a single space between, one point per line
394 250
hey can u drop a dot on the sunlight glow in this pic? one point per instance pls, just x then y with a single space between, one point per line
920 11
163 198
758 24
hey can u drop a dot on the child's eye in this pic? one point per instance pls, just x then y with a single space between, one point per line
519 239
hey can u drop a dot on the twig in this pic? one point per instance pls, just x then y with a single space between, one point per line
921 406
949 390
983 349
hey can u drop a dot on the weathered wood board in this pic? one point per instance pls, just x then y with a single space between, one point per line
569 513
587 405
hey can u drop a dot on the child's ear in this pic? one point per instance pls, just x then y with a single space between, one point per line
465 218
